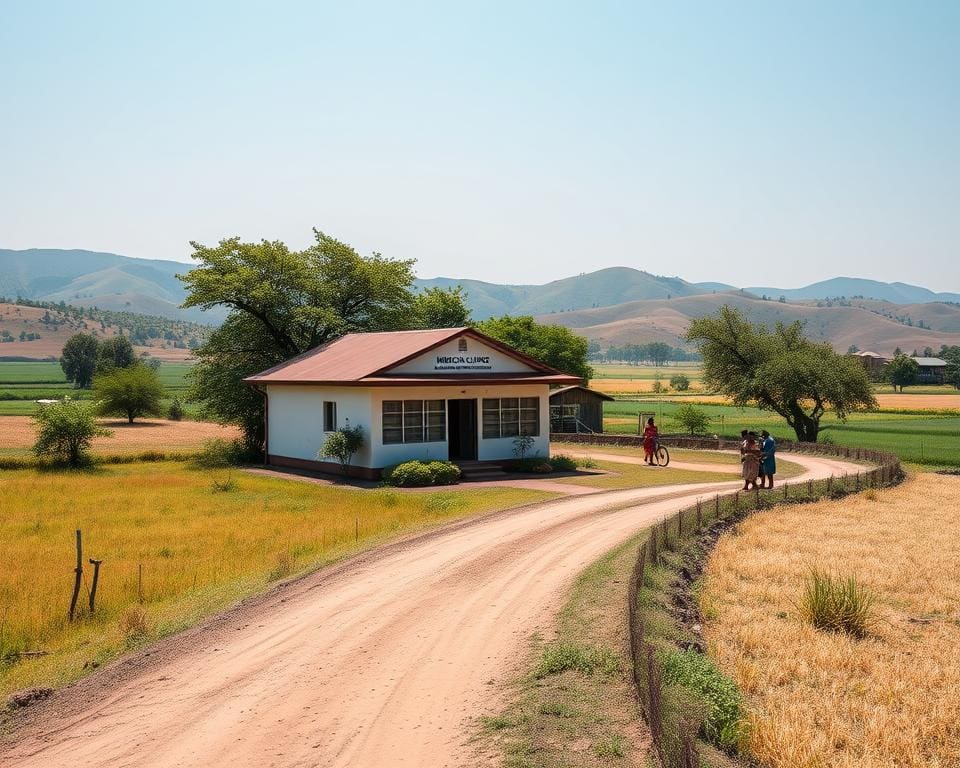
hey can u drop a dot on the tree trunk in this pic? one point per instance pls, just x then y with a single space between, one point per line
806 427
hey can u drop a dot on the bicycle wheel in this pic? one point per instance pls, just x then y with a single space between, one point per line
663 456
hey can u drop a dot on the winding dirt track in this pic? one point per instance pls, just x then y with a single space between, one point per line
380 661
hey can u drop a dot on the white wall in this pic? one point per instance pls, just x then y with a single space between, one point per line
295 423
295 419
489 450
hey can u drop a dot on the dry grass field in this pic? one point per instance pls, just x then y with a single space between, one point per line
18 433
824 700
203 539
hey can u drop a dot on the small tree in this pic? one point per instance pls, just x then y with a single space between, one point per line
691 419
901 372
115 352
680 382
342 444
129 392
79 359
65 431
176 412
522 445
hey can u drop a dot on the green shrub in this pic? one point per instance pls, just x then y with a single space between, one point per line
65 431
837 604
680 382
176 412
563 463
418 474
444 472
724 722
560 656
529 465
341 445
218 453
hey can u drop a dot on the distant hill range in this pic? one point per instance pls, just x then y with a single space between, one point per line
613 306
94 279
873 325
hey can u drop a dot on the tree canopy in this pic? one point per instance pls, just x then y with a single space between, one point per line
79 359
130 392
779 370
902 371
286 302
554 345
115 352
65 431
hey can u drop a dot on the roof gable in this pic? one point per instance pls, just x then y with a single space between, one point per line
359 358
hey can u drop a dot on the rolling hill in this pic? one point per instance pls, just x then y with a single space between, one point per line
94 279
866 324
896 293
602 288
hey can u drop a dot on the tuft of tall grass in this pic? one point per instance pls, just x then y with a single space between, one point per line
837 604
560 656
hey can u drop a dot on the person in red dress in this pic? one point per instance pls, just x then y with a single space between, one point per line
649 441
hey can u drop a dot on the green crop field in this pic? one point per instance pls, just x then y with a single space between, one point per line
918 438
619 371
23 383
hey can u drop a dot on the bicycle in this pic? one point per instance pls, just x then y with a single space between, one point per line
660 454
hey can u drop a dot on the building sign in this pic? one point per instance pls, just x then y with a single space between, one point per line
462 363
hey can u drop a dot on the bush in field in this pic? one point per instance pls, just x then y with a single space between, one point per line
218 454
176 412
131 392
419 474
341 445
65 431
691 419
837 604
563 463
79 359
724 721
680 382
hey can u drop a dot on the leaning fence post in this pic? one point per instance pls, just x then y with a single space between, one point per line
96 578
679 525
78 571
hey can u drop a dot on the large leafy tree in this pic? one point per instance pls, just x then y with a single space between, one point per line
779 370
901 372
130 392
115 352
286 302
79 359
554 345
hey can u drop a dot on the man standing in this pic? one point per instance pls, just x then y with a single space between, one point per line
768 462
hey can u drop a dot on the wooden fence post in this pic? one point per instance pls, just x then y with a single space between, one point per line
78 571
93 587
699 516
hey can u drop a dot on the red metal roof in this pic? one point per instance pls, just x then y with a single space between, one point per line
366 358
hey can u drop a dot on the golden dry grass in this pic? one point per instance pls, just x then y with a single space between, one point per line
18 434
200 550
919 402
824 700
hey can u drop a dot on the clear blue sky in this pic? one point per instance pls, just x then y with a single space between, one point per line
751 143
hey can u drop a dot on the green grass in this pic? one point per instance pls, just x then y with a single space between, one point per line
204 539
650 372
31 373
918 438
21 384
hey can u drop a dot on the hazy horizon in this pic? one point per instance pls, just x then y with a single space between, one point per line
745 144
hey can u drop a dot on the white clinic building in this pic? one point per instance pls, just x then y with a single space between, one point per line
452 394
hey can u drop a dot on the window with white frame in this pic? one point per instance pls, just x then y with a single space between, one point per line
511 416
329 416
414 421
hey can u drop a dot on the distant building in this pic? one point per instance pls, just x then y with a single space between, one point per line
871 361
577 409
452 393
933 370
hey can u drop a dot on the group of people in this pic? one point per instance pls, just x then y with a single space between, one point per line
759 459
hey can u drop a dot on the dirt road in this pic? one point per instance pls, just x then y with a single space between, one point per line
381 661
